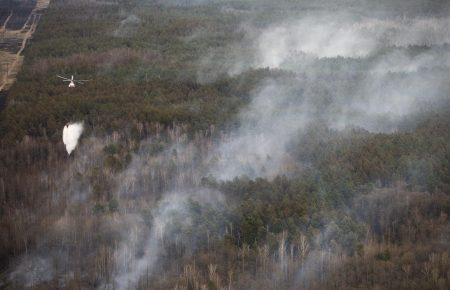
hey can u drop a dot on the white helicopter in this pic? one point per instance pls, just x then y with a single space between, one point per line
72 81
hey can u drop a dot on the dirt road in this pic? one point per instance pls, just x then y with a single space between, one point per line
11 60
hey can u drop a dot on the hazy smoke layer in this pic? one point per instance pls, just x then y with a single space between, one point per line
71 134
345 36
171 218
47 263
344 71
128 26
144 241
258 148
354 72
32 270
130 266
348 70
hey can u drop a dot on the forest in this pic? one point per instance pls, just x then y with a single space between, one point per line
235 144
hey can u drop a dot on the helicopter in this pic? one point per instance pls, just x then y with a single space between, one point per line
72 81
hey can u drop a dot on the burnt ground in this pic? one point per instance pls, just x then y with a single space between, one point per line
3 95
18 21
20 12
11 45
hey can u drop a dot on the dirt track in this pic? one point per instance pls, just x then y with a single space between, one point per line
11 60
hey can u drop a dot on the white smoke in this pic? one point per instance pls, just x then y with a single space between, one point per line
128 27
71 134
170 213
348 70
258 148
281 109
32 270
132 268
278 112
331 36
322 35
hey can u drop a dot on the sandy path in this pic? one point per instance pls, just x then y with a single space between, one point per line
3 28
12 61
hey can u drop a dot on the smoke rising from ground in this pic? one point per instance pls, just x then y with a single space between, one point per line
349 71
258 148
71 134
341 71
32 270
360 72
172 216
69 187
331 36
128 26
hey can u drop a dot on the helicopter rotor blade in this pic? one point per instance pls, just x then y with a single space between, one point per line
64 78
